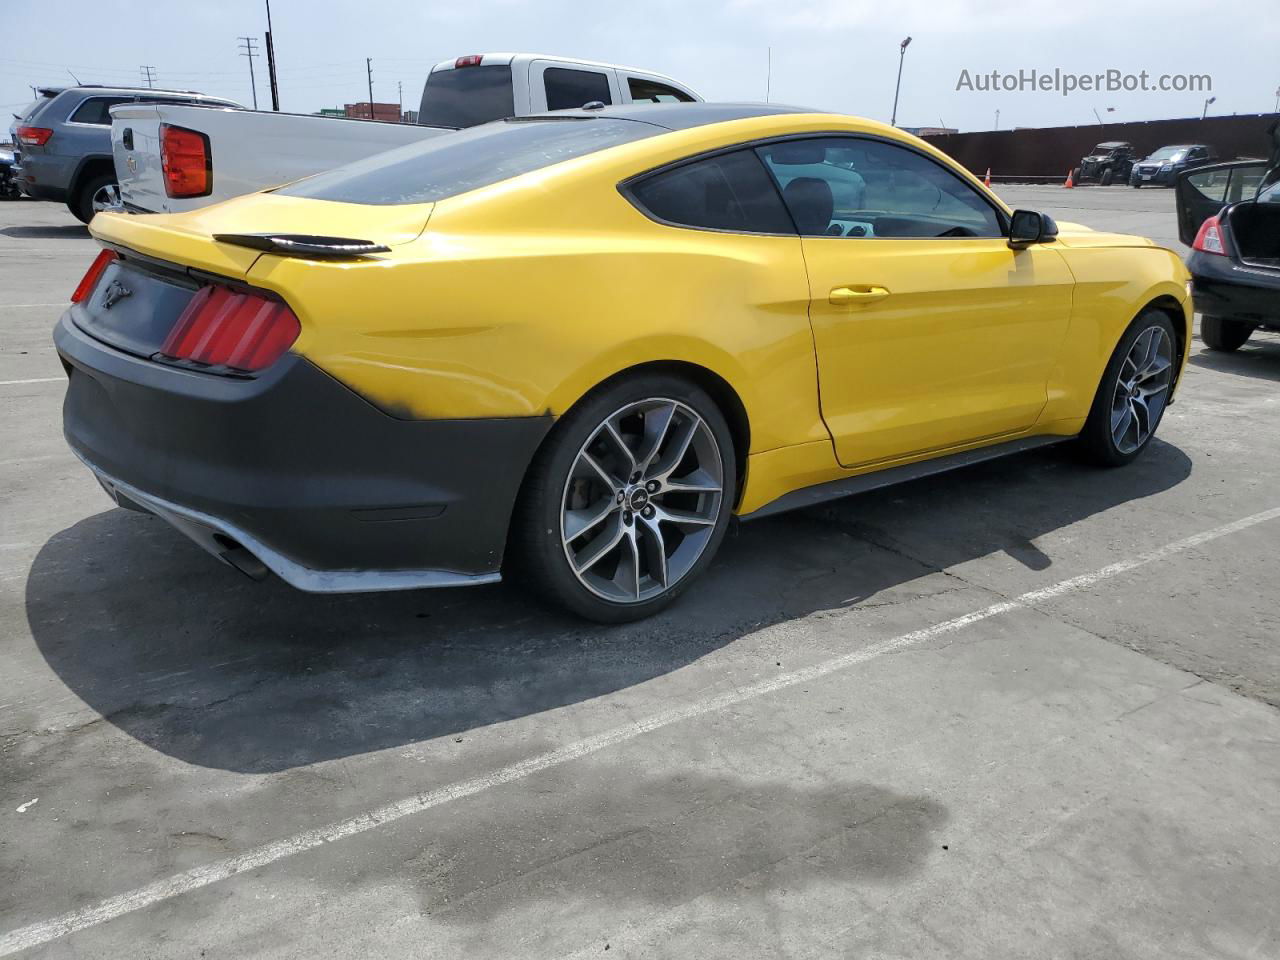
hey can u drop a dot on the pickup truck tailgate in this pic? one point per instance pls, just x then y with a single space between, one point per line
135 148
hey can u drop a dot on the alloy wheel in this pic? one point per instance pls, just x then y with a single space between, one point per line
642 500
1142 389
106 197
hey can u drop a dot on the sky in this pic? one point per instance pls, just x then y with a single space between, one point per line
840 55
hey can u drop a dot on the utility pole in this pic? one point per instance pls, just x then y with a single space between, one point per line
149 75
271 62
768 77
902 55
997 119
368 67
251 51
1277 109
400 100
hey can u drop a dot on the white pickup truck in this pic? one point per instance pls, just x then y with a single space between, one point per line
174 158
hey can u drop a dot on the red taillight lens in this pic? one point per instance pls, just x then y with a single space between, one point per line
93 275
1209 239
228 328
471 60
34 136
186 162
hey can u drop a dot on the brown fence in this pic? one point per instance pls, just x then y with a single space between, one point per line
1044 152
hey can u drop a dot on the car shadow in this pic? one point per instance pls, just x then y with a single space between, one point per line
190 658
1259 358
69 231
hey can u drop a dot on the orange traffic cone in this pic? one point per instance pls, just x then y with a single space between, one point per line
986 181
1068 184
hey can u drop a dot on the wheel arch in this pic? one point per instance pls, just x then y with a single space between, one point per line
1169 305
89 166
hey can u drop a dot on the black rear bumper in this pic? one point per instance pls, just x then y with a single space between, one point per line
322 487
1225 287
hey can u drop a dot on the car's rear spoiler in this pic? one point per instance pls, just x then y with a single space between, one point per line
302 244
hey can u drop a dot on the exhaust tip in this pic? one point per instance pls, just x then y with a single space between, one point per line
237 556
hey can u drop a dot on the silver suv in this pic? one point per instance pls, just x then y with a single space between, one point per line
63 143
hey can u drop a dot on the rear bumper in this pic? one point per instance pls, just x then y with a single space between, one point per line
294 469
1224 287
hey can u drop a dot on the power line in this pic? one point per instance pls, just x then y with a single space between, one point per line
251 51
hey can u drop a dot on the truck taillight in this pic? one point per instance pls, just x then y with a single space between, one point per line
33 136
240 330
471 60
186 161
1209 239
93 275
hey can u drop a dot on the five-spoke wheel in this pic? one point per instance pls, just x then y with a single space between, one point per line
1141 389
629 500
1134 391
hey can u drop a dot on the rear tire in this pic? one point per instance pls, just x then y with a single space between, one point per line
1224 335
628 500
1075 176
1133 393
1107 178
82 205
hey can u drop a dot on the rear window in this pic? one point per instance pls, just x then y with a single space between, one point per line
467 96
29 110
454 163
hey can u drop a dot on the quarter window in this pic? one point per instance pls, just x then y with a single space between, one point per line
570 89
652 91
726 192
851 187
96 110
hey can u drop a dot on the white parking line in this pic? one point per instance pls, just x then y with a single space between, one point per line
45 931
23 306
14 383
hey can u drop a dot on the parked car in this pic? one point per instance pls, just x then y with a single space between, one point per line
1163 166
1230 215
1109 162
218 154
8 186
64 143
594 335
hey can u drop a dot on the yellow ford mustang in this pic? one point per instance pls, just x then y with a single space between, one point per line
574 345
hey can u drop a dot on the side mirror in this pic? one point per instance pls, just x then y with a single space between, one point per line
1027 227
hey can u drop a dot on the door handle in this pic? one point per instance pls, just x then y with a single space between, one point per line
857 293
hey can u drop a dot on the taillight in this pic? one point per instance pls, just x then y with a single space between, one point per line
471 60
1209 239
186 162
221 327
34 136
93 275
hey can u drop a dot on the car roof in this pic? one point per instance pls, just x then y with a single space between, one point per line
1115 143
97 90
500 58
683 116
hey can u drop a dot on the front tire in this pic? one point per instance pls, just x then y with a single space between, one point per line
100 192
629 499
1133 394
1107 178
1224 335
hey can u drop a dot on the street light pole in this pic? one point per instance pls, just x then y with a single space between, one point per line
1205 112
271 62
902 53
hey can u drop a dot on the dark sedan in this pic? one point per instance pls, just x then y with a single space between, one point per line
1230 215
1163 166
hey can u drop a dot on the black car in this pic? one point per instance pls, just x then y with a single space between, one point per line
1230 215
8 186
1109 162
1163 166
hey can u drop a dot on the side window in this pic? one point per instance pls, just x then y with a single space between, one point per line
95 110
851 187
569 89
642 90
726 192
